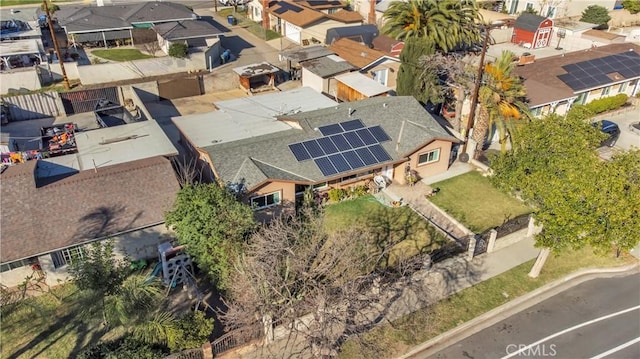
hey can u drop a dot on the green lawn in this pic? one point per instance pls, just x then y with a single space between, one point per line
475 202
120 54
392 225
390 340
252 26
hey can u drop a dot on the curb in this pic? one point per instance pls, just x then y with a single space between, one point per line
506 310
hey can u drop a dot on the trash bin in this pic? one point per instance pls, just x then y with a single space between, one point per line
232 20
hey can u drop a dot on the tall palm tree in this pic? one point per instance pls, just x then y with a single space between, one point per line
501 100
445 23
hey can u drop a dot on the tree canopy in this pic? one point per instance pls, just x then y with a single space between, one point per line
596 14
633 6
578 198
213 224
412 80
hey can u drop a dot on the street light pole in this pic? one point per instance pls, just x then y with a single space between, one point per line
55 44
476 90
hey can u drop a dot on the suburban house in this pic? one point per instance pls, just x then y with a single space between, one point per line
190 33
338 146
103 25
552 9
555 83
303 22
319 73
363 34
532 31
379 65
388 45
113 183
294 57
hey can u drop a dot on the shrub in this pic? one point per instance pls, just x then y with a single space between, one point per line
195 329
581 112
122 348
337 194
596 14
633 6
607 103
178 50
52 7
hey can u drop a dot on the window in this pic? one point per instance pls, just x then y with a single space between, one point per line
18 264
320 186
265 201
582 98
67 256
551 12
529 6
536 112
429 157
381 76
623 87
606 91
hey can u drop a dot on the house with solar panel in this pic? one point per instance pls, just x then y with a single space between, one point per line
272 161
553 84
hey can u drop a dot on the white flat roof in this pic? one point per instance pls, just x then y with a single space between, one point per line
256 69
19 47
248 116
363 84
110 146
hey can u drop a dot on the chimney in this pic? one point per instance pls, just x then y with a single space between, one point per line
265 15
372 12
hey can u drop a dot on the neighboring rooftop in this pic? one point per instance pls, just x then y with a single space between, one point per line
355 52
328 66
180 30
363 84
529 22
295 14
543 79
38 219
248 117
20 47
256 69
306 53
361 33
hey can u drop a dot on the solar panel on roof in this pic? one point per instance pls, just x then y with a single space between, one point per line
352 125
353 139
366 156
299 152
314 148
366 136
330 129
594 73
379 134
327 145
339 163
325 166
340 142
353 159
379 153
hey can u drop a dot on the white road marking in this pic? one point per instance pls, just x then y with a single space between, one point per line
605 317
616 349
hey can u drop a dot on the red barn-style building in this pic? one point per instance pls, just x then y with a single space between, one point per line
532 31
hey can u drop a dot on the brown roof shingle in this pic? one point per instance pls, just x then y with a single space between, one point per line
541 78
356 53
88 205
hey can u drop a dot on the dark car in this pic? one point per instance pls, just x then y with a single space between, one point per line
610 129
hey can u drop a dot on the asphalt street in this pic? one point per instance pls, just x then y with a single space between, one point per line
596 319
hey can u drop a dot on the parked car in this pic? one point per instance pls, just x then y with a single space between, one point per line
611 129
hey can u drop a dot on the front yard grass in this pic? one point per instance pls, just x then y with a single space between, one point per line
475 202
251 26
390 340
120 54
389 224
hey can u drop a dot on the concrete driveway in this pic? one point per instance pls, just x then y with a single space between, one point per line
628 139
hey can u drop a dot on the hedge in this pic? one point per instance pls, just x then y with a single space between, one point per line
607 103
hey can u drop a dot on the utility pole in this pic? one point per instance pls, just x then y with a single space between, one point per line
476 90
55 45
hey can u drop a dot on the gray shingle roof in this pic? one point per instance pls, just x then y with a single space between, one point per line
258 159
39 218
79 18
529 22
328 66
178 30
360 33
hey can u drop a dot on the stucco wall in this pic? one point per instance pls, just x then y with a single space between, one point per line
309 79
392 73
287 197
433 168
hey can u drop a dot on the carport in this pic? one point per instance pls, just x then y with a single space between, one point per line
257 77
20 53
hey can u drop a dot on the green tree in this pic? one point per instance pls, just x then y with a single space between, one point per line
596 14
577 198
445 23
411 80
178 50
501 100
209 220
52 7
123 348
196 329
633 6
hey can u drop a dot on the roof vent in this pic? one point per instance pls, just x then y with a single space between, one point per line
351 111
385 105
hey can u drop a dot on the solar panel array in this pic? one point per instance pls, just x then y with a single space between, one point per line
594 73
346 146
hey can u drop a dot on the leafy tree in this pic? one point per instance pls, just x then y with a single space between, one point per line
445 23
501 99
178 50
633 6
596 14
411 79
123 348
52 7
578 199
195 328
209 220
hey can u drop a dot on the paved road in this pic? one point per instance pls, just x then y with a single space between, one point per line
596 319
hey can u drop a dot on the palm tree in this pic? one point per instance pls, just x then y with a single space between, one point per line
445 23
501 99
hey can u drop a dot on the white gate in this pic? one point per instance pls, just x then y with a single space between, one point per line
542 40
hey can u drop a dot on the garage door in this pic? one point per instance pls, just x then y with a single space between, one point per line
292 32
